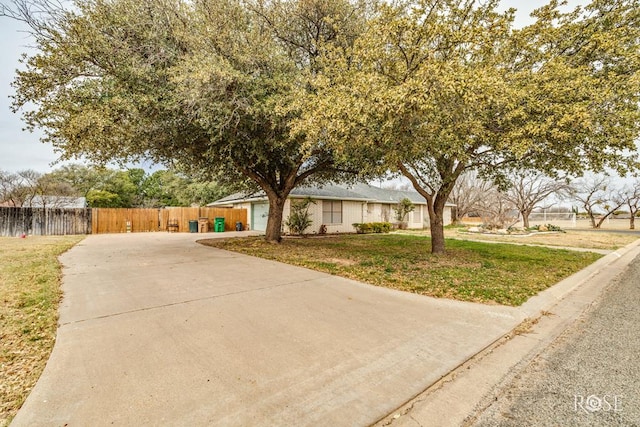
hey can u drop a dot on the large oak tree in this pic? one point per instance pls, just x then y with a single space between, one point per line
204 86
434 88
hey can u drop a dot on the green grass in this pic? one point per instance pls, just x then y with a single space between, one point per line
29 296
469 271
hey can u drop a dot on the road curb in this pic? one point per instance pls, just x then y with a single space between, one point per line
551 296
465 392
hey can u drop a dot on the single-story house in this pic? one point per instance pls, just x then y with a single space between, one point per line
337 207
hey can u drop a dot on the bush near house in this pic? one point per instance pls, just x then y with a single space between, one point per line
403 208
300 218
372 227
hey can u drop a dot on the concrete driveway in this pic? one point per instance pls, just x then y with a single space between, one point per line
156 329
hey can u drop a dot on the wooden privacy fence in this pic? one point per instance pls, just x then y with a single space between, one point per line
44 221
54 221
184 215
118 220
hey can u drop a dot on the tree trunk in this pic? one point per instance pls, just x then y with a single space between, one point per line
592 218
437 202
525 218
273 233
436 222
632 221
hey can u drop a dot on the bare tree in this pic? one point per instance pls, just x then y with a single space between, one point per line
29 186
52 193
632 199
18 189
7 183
496 210
527 189
24 188
468 194
598 197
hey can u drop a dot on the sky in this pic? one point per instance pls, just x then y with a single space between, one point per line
20 149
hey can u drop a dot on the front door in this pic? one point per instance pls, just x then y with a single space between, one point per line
259 216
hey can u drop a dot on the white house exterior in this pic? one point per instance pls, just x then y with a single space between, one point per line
337 207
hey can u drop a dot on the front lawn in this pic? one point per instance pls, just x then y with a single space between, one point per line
588 239
29 296
469 271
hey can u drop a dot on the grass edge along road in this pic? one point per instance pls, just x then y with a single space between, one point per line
579 238
30 277
469 271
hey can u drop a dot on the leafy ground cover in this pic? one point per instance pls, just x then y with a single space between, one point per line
469 271
29 295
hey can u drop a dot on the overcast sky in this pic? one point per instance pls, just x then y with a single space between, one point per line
22 150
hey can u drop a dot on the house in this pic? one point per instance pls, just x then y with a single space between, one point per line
337 207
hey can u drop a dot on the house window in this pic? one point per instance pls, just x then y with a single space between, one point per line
332 212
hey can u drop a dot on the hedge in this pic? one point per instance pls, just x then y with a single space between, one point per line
372 227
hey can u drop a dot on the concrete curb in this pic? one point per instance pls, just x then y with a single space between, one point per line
465 392
551 296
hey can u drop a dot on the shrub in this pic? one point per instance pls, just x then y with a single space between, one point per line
372 227
547 227
300 218
381 227
403 208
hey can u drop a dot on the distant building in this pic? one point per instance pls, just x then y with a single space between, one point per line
58 202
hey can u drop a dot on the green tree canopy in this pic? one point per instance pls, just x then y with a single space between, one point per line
433 88
205 86
104 187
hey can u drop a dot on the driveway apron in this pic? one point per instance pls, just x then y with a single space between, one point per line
156 329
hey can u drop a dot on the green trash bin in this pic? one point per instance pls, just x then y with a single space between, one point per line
193 226
218 225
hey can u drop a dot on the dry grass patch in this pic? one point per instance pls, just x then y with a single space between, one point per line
30 294
611 240
469 271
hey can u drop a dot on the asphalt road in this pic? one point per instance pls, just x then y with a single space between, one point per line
589 376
